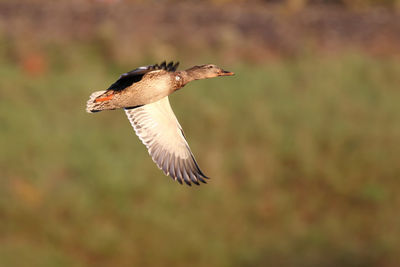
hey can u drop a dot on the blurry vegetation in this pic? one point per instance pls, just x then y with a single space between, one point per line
248 31
302 144
303 156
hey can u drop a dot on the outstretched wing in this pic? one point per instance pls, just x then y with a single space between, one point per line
129 78
159 130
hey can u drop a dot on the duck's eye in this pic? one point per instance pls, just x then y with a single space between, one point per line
178 78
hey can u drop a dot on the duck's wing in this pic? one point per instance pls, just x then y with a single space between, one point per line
159 130
133 76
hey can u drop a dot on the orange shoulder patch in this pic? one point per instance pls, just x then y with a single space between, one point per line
101 99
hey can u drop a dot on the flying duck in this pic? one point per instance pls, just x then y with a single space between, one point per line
143 94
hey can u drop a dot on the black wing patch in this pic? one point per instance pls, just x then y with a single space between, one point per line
129 78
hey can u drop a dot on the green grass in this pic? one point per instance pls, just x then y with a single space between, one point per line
303 155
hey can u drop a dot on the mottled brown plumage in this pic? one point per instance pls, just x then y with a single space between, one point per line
143 93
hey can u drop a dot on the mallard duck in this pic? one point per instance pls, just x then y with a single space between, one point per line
143 94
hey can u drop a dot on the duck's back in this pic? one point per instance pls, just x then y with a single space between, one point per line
138 87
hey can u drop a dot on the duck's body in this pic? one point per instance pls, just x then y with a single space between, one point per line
143 93
152 87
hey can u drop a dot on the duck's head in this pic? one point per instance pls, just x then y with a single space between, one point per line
207 71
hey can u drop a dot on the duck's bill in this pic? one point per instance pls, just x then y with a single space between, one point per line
226 73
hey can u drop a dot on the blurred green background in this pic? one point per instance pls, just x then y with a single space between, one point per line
303 144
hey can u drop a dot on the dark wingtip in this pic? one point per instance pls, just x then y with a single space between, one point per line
189 183
202 174
168 67
175 67
196 182
201 180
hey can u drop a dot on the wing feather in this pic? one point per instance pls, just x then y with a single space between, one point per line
157 127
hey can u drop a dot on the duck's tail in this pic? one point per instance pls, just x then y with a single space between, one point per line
99 101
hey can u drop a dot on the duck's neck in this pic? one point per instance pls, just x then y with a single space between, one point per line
191 75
